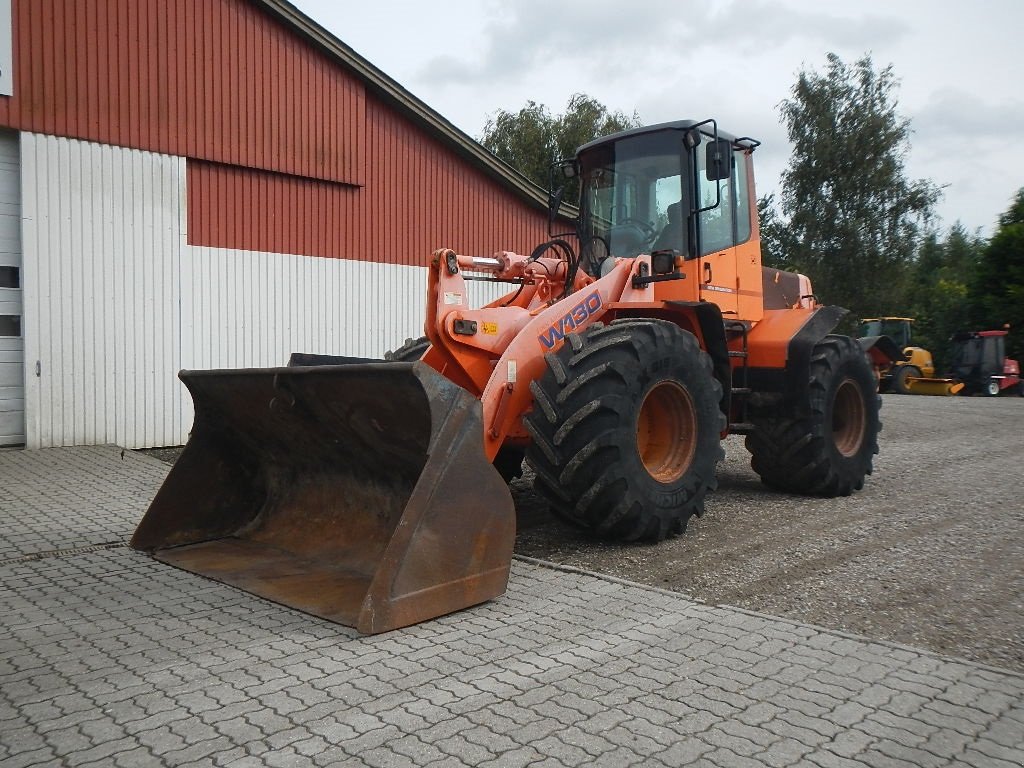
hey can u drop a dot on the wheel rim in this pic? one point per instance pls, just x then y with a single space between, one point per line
666 431
848 419
993 388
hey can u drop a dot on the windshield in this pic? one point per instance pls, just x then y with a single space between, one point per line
897 330
978 356
631 197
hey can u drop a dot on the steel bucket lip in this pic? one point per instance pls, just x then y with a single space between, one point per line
315 586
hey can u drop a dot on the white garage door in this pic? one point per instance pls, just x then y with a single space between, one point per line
12 338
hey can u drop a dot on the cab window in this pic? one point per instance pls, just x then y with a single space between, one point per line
728 223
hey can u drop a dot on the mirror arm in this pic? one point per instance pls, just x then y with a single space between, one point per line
554 206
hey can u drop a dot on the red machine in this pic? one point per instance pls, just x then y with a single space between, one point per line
980 362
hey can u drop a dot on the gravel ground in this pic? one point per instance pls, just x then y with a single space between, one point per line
929 553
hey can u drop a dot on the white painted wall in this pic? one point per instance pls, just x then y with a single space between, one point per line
100 230
12 342
116 301
243 309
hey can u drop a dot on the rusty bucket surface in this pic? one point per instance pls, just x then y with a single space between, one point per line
360 493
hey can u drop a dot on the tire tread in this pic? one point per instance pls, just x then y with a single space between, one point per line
792 447
579 452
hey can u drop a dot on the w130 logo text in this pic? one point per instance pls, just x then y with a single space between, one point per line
571 320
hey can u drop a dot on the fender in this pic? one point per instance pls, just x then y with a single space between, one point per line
881 349
792 380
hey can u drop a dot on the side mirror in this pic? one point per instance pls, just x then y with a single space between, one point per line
718 160
554 205
561 174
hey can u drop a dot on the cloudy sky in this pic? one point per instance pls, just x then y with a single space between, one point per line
960 67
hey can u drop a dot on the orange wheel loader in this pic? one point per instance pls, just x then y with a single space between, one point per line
372 493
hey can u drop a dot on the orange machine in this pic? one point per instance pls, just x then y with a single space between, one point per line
371 492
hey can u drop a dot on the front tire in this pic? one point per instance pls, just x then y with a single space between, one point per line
824 446
899 379
626 429
992 388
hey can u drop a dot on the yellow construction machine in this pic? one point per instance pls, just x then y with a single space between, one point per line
371 492
900 362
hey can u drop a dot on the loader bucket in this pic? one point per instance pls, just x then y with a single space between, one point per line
359 493
929 386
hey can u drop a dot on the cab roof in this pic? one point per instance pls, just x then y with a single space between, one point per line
676 125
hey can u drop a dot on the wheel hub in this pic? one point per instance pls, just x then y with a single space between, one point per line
666 431
848 419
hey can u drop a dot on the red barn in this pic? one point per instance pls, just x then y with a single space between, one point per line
211 183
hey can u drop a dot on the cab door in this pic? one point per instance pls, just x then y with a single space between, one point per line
724 222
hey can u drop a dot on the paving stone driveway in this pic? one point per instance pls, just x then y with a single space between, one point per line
110 658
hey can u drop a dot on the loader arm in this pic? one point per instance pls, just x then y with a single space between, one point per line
499 349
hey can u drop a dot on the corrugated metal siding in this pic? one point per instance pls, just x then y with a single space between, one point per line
221 81
12 342
418 196
244 309
232 207
117 302
101 248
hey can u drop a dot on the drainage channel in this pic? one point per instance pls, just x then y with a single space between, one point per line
64 552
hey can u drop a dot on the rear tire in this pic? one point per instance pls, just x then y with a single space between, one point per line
992 388
626 429
825 446
411 351
899 379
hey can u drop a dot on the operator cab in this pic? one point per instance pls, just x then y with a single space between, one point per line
896 328
979 357
674 188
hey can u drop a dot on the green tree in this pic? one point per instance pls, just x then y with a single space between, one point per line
775 236
1015 213
524 139
939 289
531 139
853 219
997 289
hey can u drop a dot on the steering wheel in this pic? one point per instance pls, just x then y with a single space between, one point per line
647 230
632 236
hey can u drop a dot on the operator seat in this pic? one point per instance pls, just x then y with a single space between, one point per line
671 236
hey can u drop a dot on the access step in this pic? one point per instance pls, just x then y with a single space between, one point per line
742 428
